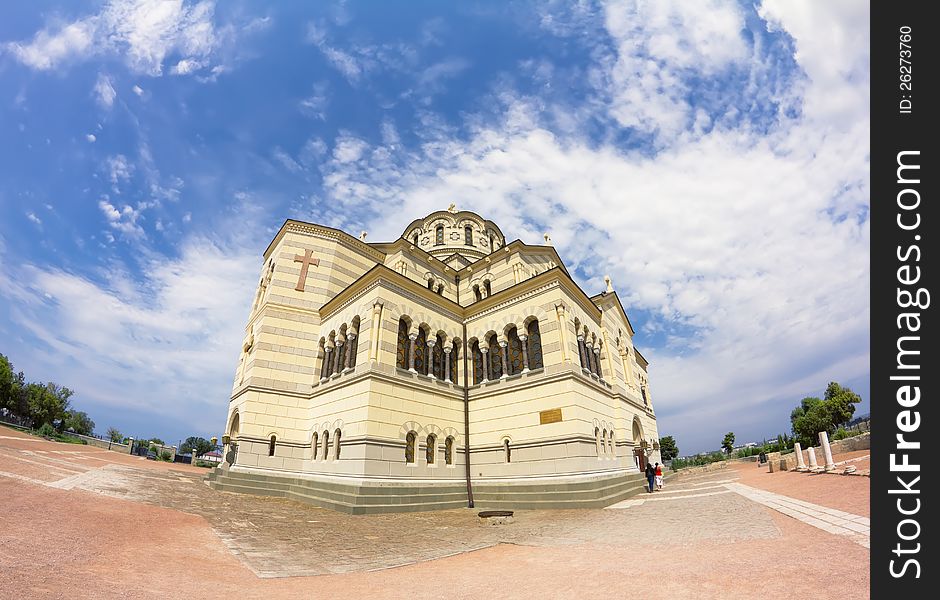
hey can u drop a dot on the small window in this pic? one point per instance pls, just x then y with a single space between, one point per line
432 449
430 284
508 451
449 450
440 289
314 445
439 236
326 445
468 235
476 293
488 288
336 437
410 441
272 445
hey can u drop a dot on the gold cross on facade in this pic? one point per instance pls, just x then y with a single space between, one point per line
306 260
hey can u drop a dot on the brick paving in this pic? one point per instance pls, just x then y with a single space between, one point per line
106 512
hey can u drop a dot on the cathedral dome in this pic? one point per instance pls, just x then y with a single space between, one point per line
447 232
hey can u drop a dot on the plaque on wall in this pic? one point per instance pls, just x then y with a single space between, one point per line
550 416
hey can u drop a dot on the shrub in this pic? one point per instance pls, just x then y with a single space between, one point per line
165 456
46 431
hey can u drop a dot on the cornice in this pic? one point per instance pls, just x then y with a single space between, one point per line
302 227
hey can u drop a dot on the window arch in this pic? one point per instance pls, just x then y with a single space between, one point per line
495 357
337 435
411 441
431 452
534 345
401 355
421 352
326 445
515 352
314 445
597 440
468 235
449 450
272 445
439 235
437 358
604 442
610 444
507 450
477 362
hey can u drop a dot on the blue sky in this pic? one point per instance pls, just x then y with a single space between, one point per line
711 157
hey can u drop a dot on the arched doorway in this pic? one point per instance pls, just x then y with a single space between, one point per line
639 454
231 449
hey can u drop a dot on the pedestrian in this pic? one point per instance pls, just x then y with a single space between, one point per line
659 476
650 475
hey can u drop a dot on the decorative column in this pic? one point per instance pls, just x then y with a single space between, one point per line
827 451
447 351
486 365
376 331
525 353
563 331
337 367
349 336
811 454
581 353
800 465
327 363
431 343
411 352
503 358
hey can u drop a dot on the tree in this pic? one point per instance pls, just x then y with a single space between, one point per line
197 445
814 415
48 403
114 435
12 389
728 442
667 448
79 422
157 441
841 402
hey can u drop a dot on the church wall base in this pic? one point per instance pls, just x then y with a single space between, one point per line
364 498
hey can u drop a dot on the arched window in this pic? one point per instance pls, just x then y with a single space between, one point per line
496 360
271 445
314 446
449 450
440 289
336 438
645 399
331 355
340 358
432 449
597 361
507 450
477 362
439 236
534 344
610 444
353 343
437 359
326 445
597 440
604 441
401 355
410 440
468 235
323 358
476 293
515 352
415 240
487 287
453 364
431 284
421 352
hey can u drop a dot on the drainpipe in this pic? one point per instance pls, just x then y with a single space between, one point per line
466 406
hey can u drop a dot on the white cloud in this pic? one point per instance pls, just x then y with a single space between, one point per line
104 91
32 217
138 90
90 137
119 169
315 104
286 161
348 149
144 32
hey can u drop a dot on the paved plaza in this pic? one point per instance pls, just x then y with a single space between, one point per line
122 526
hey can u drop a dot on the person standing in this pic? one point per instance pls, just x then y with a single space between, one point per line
650 475
659 476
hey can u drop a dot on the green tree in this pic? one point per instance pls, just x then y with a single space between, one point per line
814 414
157 441
114 435
841 401
728 442
12 388
48 403
667 448
79 422
197 445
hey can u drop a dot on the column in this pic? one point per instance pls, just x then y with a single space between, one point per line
503 358
581 354
800 465
447 351
350 336
486 365
811 454
376 331
562 331
337 367
411 352
431 343
827 451
327 362
525 353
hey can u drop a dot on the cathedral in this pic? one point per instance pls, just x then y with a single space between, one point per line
445 369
